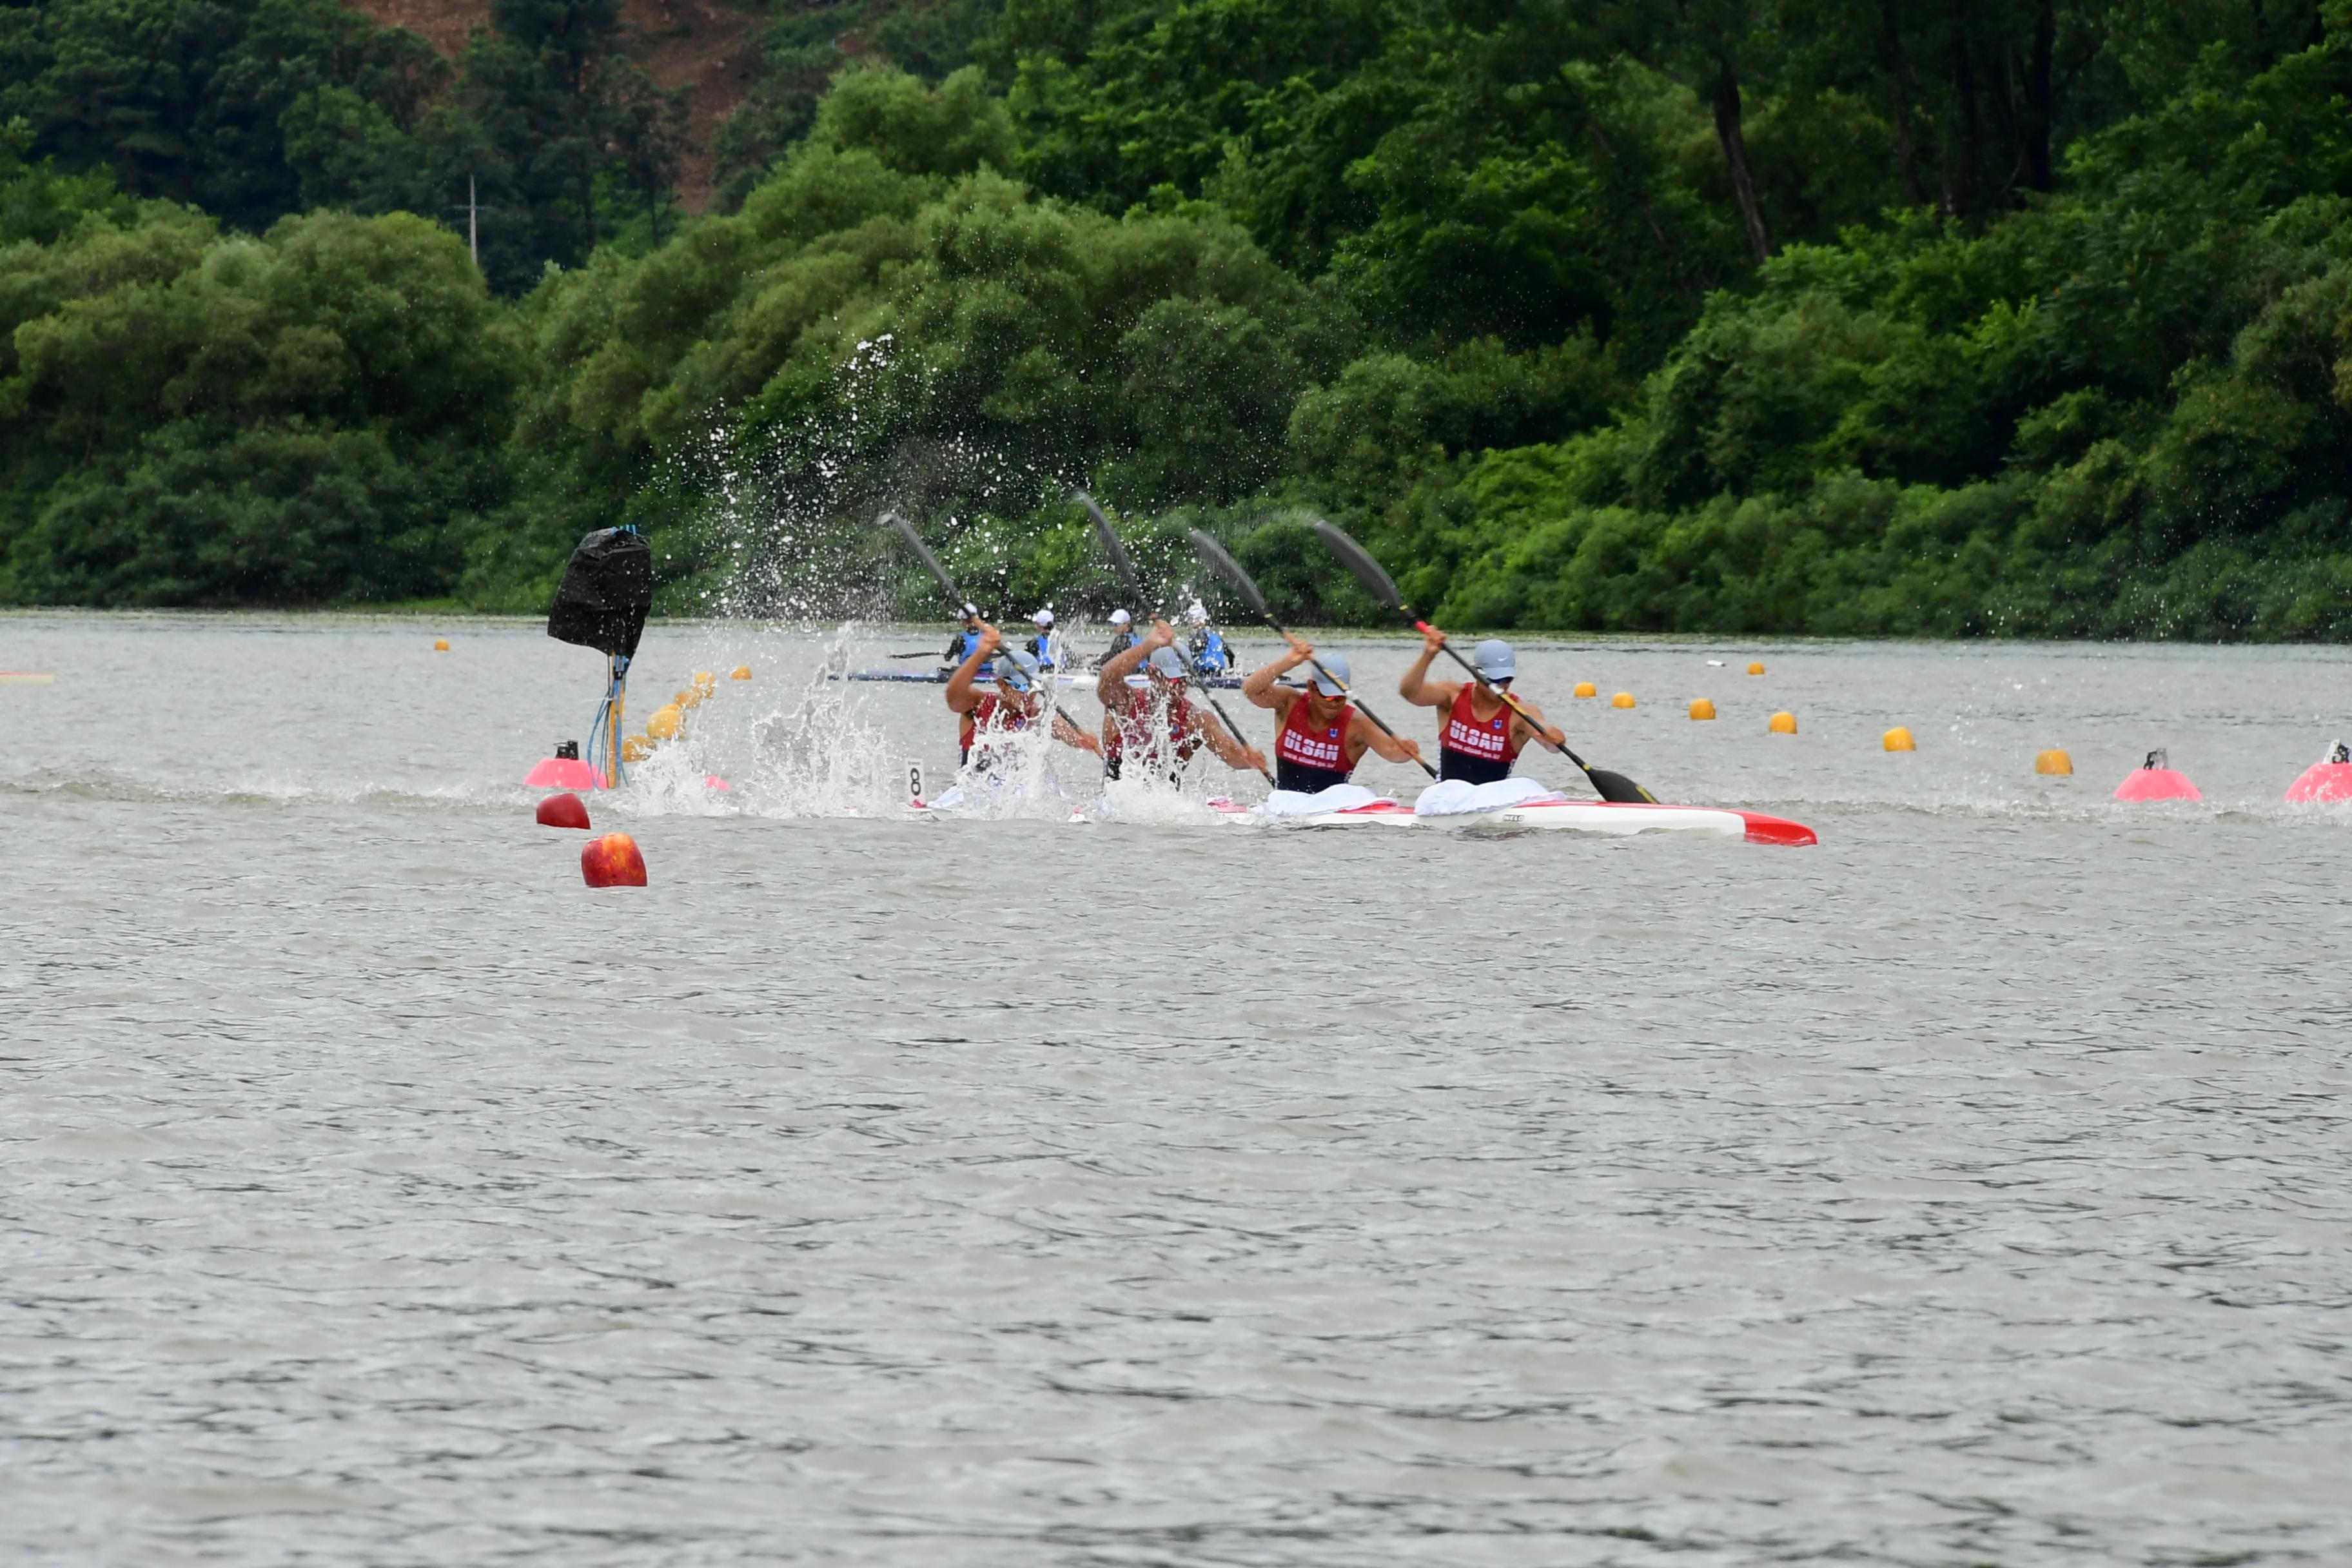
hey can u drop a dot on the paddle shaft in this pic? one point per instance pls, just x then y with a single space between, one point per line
947 585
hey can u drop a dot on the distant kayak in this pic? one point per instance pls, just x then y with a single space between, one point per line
1063 678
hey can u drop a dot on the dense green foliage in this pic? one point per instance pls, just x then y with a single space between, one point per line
2022 316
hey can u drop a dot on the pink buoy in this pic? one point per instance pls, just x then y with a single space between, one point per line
712 780
2155 780
2322 781
562 773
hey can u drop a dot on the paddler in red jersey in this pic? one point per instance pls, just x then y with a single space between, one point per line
1155 725
1322 737
1481 737
1005 703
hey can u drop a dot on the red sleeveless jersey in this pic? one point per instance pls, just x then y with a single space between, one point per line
1141 728
983 714
1308 756
1488 741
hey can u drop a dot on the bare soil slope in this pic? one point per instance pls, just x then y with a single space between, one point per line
709 48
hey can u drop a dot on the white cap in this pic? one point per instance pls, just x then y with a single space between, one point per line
971 612
1043 617
1120 618
1198 614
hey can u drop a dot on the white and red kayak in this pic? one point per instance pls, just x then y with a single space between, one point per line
1601 817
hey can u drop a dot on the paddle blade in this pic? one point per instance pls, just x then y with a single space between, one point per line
1358 561
1226 567
1617 787
1114 549
922 554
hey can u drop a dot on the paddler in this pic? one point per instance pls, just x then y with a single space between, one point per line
967 638
1008 701
1481 737
1155 725
1123 636
1210 656
1042 645
1322 737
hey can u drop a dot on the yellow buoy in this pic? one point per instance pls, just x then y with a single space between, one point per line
440 644
742 672
1586 688
662 723
1702 708
1898 739
1622 699
1783 724
704 678
637 749
2054 762
689 698
1756 669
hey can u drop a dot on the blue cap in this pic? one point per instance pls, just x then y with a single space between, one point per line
1337 663
1492 659
1019 669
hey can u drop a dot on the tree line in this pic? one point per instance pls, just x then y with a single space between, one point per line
2011 316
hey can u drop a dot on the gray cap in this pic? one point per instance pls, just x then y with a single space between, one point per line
1337 663
1019 669
1168 663
1492 659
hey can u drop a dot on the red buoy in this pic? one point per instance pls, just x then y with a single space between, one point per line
612 861
562 811
2153 780
2322 781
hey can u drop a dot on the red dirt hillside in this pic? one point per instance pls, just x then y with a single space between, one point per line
710 49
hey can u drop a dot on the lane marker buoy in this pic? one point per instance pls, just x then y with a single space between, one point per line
1586 688
1898 739
612 861
742 672
662 723
2156 779
2056 764
440 644
637 749
564 810
1701 708
1622 699
2330 778
1756 669
1783 724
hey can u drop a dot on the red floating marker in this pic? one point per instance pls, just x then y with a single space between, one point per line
612 861
2322 781
562 773
2153 780
562 811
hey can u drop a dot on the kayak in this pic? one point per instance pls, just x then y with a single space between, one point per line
1611 819
1063 678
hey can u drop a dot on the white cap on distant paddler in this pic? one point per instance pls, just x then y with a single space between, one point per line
1043 617
1120 618
971 612
1329 685
1493 661
1018 668
1198 614
1168 664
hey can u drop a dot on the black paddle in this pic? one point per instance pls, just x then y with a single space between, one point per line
1225 566
1613 786
1126 570
947 585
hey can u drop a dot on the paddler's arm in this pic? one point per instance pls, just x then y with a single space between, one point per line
1260 690
1416 688
961 698
1069 734
1550 734
1126 662
1395 748
1241 759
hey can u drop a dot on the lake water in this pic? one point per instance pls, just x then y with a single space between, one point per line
1974 1188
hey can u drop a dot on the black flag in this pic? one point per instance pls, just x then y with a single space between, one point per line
607 587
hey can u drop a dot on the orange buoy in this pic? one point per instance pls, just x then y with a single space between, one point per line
2054 762
1701 708
742 672
1783 724
689 698
637 749
612 861
1622 699
440 644
662 723
1586 688
1898 739
562 811
1756 669
704 680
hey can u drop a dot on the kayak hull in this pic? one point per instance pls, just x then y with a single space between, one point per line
1610 818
